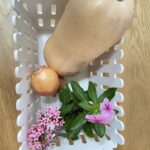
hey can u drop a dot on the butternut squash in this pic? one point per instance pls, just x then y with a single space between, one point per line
86 29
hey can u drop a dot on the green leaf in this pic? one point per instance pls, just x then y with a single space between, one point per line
75 99
86 106
100 130
92 91
73 135
116 112
76 126
66 109
65 94
87 94
78 91
87 128
109 93
77 119
68 121
78 122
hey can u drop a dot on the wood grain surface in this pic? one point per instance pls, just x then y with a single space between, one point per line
136 76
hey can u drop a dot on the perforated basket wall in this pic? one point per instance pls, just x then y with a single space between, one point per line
34 23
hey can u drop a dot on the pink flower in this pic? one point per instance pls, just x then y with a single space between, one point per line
39 114
61 123
55 123
107 106
41 134
104 118
91 118
107 113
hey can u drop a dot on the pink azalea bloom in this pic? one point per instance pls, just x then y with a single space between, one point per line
107 113
104 118
91 118
107 106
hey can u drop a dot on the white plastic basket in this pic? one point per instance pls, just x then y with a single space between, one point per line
34 22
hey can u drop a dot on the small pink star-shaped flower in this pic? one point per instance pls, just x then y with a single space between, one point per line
42 128
55 123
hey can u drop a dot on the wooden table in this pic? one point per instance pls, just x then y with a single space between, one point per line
136 76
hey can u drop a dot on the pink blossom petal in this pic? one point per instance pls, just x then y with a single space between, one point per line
107 106
104 117
103 105
102 120
91 118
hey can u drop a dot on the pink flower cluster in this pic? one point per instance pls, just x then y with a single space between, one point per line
48 125
106 115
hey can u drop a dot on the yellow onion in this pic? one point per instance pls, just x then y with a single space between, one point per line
45 81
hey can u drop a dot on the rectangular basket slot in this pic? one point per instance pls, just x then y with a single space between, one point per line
71 142
27 36
26 21
30 105
107 137
28 77
104 62
58 142
29 52
108 125
28 63
39 9
25 6
91 64
83 139
53 9
93 73
96 138
52 23
34 40
95 62
29 91
33 29
35 52
30 120
105 74
40 22
105 87
37 100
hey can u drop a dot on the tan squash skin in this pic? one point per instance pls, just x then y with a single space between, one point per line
86 29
